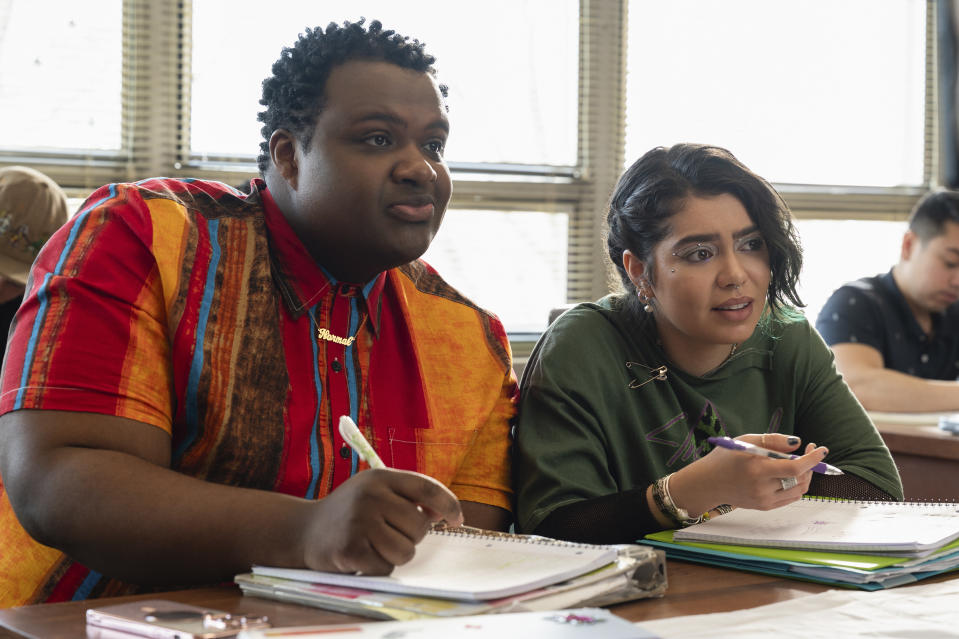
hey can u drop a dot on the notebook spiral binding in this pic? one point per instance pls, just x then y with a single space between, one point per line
468 531
879 502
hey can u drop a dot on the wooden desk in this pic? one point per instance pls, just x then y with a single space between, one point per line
928 460
692 589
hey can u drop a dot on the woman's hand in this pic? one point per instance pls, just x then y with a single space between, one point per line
732 477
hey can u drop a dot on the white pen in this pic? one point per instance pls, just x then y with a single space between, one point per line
351 435
753 449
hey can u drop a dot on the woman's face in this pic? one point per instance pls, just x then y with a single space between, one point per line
710 279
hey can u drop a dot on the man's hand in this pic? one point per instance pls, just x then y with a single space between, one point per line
374 520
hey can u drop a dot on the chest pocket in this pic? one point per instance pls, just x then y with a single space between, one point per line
437 452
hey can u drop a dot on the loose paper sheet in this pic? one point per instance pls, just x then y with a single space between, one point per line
910 612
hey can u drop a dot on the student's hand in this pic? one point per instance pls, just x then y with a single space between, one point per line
758 483
374 520
747 481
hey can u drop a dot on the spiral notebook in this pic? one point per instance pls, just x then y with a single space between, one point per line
472 567
909 529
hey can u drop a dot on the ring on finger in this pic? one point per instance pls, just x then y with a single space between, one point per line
788 482
763 440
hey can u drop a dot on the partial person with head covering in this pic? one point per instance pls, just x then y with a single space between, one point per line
32 207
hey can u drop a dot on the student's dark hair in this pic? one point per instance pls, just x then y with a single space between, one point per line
294 94
929 216
655 188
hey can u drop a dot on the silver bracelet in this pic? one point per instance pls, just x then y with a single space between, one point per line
680 515
659 497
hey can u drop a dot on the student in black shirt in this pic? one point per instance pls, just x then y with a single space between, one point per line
896 335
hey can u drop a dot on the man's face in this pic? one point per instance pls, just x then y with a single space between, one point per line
370 191
930 271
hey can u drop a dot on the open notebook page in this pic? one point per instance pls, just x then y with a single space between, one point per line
472 567
904 528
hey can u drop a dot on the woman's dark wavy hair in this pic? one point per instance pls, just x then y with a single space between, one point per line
293 95
655 188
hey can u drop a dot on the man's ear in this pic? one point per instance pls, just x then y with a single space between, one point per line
283 147
635 268
910 243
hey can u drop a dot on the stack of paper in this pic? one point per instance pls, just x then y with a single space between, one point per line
565 624
868 545
456 573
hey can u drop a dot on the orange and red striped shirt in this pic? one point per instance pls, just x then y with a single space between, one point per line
193 307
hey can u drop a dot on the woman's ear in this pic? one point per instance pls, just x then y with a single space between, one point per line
635 269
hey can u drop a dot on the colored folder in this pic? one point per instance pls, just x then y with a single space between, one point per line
854 570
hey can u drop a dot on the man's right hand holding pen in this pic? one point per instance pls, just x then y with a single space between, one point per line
373 521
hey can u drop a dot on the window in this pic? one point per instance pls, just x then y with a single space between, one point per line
512 85
472 251
812 92
60 85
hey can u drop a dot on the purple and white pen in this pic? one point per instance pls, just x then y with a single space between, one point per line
753 449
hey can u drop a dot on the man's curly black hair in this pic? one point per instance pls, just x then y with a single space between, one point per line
293 95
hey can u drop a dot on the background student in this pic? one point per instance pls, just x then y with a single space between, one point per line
896 335
185 351
620 396
32 207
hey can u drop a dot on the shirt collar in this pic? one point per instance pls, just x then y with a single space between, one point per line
889 282
303 282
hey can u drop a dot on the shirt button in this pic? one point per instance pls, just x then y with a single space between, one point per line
924 358
336 366
345 452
